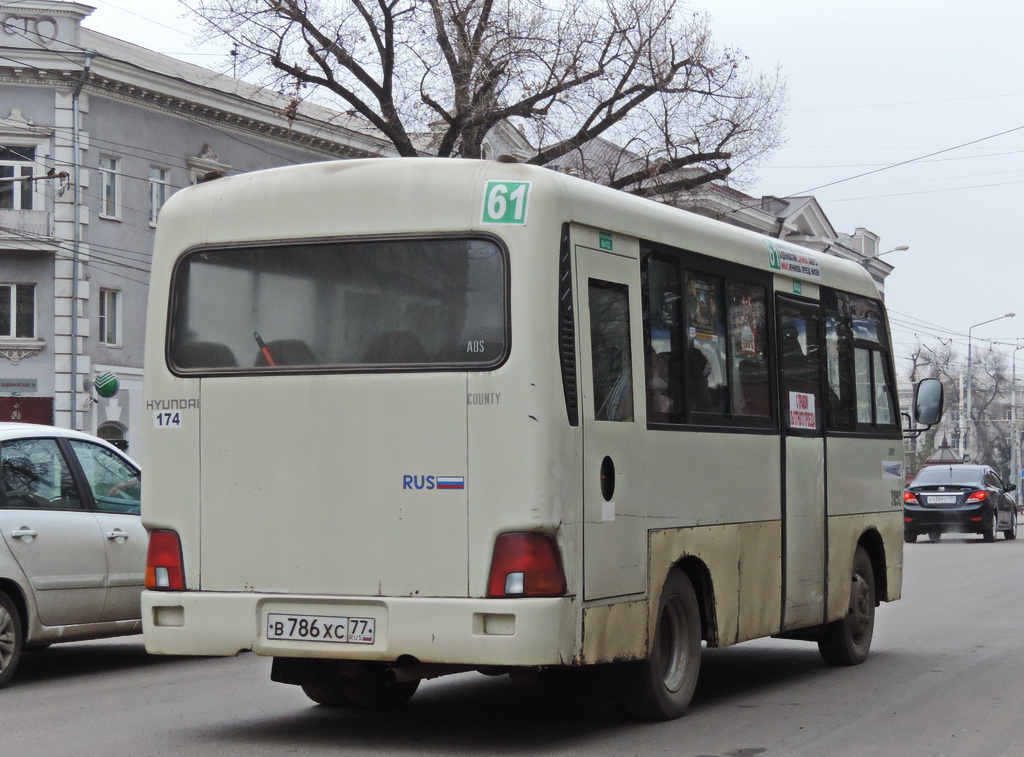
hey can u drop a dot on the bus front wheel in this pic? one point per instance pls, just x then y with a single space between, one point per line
666 679
847 641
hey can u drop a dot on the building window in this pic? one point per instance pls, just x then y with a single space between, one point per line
205 166
18 311
110 316
16 165
113 433
159 190
110 188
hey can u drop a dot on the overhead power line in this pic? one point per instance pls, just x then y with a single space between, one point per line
906 162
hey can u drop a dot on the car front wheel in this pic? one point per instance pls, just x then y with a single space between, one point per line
11 640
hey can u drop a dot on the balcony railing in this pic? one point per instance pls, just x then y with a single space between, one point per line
29 225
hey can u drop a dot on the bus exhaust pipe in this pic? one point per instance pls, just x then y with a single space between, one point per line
423 671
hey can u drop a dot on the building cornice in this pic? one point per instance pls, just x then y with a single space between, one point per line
223 111
246 119
16 350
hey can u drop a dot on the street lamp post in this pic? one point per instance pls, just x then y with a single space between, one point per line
1014 440
967 422
863 261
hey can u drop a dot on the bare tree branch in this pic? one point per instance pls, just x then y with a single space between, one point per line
439 76
991 435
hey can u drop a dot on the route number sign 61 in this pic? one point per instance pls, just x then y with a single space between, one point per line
505 202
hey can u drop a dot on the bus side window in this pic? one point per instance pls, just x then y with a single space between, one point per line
800 352
611 350
663 336
706 346
860 389
749 384
705 358
839 362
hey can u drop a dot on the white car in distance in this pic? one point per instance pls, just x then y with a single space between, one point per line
73 548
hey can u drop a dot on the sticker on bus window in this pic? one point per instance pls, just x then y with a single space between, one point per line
801 411
506 202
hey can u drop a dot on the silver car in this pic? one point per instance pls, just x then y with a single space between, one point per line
73 549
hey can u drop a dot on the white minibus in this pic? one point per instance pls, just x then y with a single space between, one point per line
410 417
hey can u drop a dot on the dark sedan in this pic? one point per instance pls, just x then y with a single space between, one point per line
960 499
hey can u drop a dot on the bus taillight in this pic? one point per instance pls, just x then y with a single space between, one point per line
526 564
164 565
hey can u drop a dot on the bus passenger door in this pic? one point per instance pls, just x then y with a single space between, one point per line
803 508
611 378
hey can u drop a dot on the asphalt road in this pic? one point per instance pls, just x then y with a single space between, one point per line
945 677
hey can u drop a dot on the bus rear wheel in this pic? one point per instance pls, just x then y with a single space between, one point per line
847 641
666 680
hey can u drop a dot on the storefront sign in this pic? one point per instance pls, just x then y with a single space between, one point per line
18 386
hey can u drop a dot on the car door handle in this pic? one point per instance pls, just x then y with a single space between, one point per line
24 533
117 535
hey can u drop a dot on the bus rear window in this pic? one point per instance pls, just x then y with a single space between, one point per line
401 304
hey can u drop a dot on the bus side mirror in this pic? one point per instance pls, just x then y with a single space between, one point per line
928 395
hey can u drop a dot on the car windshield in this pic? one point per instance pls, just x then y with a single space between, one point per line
948 474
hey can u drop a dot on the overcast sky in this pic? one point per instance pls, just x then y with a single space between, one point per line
926 97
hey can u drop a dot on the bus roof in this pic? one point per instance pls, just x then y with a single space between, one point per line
437 195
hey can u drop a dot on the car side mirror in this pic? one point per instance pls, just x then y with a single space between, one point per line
1011 487
928 400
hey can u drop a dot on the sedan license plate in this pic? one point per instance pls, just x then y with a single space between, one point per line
330 628
941 500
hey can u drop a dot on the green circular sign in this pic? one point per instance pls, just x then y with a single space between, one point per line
106 385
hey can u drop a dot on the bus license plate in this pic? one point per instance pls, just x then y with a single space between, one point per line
286 627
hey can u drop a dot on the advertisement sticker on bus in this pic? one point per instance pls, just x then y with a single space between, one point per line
892 469
792 260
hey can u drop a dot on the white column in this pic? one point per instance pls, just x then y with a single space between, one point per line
63 284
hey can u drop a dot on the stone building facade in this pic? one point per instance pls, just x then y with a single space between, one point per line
95 135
